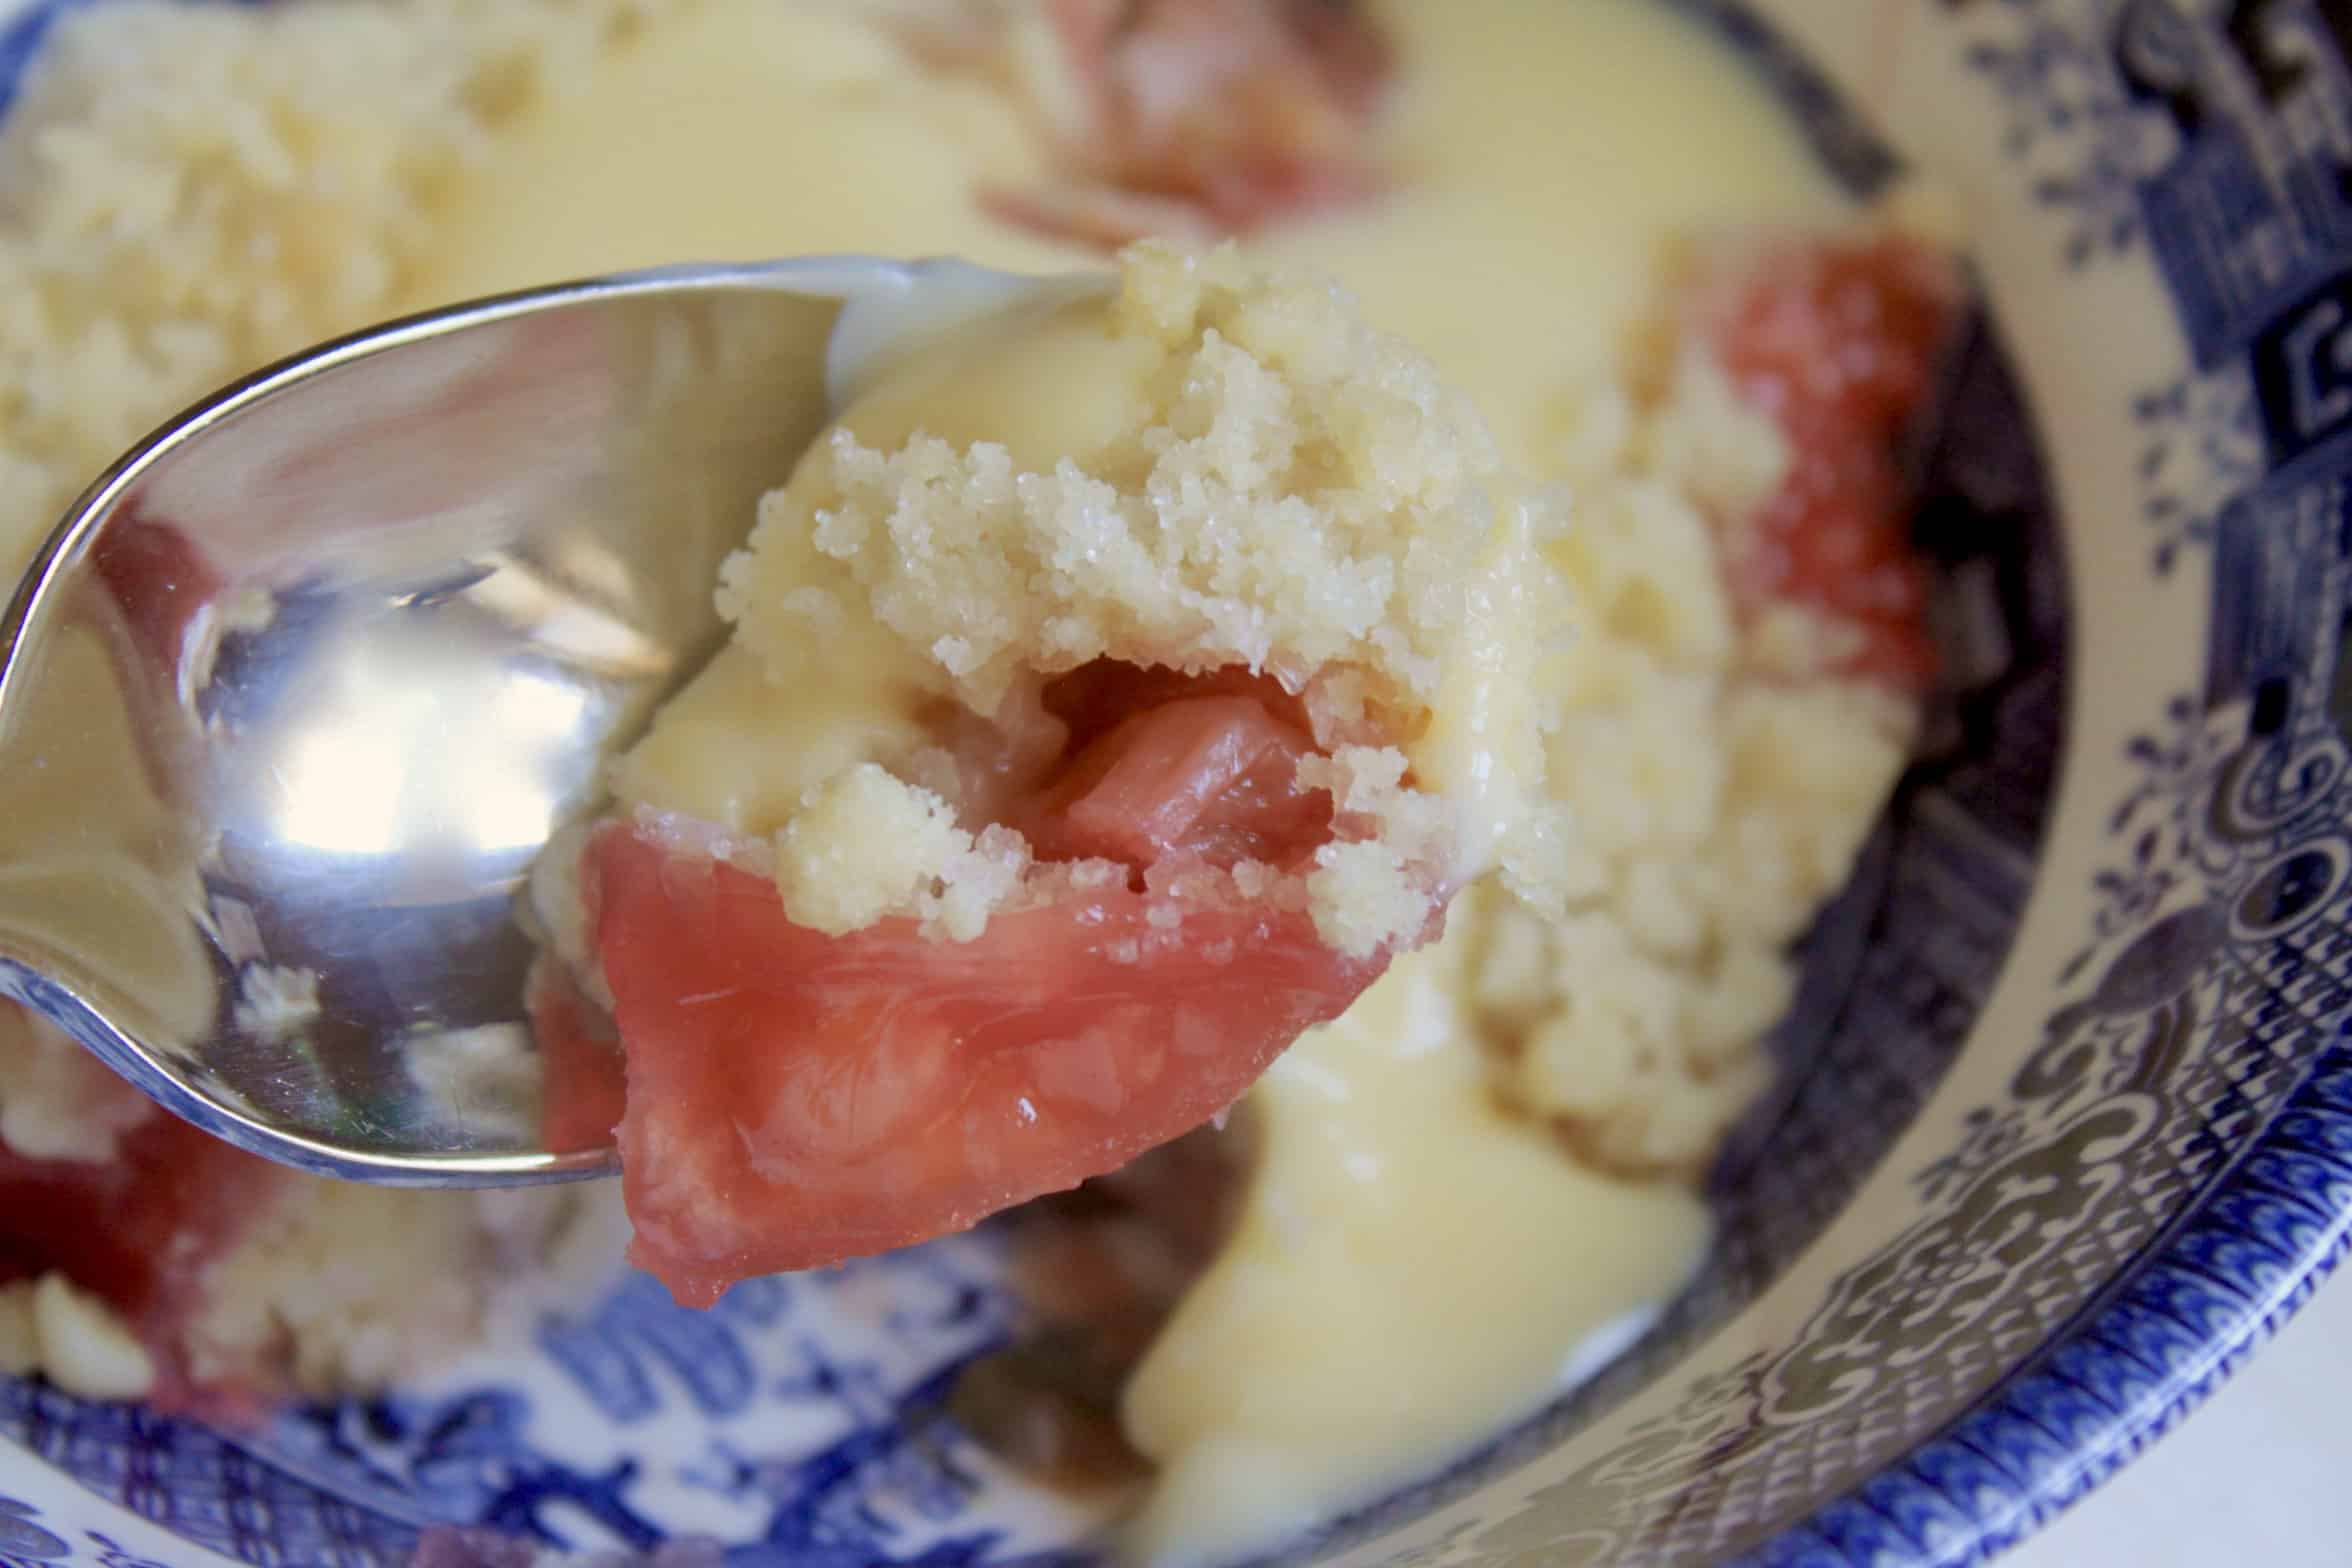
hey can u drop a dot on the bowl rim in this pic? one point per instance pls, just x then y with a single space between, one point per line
2169 1329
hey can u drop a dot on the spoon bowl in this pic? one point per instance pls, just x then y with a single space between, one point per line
298 690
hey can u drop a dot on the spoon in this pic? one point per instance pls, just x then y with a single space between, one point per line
296 692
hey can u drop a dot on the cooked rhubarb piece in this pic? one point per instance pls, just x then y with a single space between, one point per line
878 1088
1194 118
1836 341
1115 691
137 1233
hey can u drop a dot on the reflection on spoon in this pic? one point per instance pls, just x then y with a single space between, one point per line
318 668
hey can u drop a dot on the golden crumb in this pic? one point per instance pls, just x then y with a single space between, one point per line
1719 783
867 845
1208 466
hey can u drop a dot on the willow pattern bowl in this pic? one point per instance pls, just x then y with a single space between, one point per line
2068 1126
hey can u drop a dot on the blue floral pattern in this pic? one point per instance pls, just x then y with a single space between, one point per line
2083 144
22 1539
26 1542
2201 446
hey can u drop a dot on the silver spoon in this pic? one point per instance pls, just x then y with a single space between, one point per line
298 689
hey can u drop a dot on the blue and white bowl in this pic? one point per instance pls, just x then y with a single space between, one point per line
2068 1121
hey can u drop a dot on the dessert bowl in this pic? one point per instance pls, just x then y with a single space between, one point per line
2062 1124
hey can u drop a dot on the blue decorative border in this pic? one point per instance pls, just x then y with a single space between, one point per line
2249 1248
2246 1257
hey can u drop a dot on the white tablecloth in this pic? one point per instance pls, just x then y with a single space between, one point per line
2260 1477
